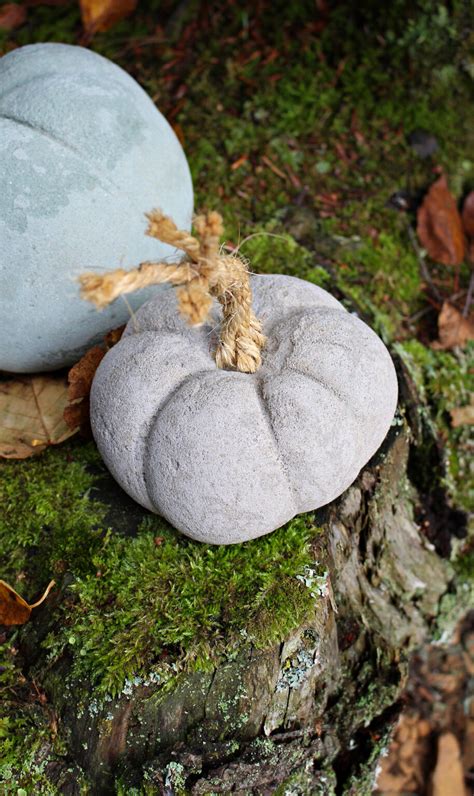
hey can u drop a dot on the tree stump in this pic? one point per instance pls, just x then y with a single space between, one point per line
306 712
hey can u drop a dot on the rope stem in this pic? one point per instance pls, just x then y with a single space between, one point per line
203 274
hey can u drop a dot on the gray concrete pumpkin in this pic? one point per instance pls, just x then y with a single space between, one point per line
84 154
227 456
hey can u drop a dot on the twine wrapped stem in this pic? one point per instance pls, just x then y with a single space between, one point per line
203 274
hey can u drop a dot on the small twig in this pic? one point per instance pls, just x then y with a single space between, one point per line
421 260
470 292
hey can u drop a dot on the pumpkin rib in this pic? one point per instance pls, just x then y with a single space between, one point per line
102 180
266 414
343 398
155 416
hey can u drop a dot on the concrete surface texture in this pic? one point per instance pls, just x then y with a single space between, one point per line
84 154
227 456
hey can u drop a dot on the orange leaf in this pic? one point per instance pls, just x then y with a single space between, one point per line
100 15
453 328
440 228
14 610
31 415
12 16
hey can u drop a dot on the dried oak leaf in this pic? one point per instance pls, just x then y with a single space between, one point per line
439 227
14 610
454 330
31 415
12 16
100 15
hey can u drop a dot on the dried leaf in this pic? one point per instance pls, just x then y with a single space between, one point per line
80 377
12 16
453 328
402 769
31 415
100 15
82 373
463 415
14 610
448 776
440 228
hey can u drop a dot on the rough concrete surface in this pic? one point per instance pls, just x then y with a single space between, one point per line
84 154
227 456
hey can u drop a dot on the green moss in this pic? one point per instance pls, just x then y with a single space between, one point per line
155 597
445 381
47 522
181 604
383 278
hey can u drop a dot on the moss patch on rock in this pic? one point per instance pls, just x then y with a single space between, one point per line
160 598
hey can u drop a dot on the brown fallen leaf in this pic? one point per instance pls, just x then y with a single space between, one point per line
12 16
463 415
453 328
82 373
100 15
448 776
80 377
31 415
14 610
439 228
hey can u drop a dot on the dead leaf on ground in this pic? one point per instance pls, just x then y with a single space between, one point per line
31 415
12 16
454 330
80 378
431 752
14 610
439 227
448 776
463 415
100 15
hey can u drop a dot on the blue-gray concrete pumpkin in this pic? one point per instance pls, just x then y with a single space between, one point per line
84 154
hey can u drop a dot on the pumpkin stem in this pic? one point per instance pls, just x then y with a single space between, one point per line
205 273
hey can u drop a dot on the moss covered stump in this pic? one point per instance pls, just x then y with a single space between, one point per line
175 667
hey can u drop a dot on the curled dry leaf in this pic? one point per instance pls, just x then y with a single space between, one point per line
80 378
454 330
439 227
12 16
31 415
100 15
14 610
76 413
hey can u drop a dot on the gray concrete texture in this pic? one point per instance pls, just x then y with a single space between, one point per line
227 456
84 154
